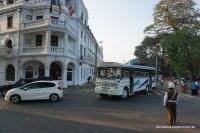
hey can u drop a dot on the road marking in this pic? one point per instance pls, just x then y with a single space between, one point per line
83 90
157 93
186 95
89 91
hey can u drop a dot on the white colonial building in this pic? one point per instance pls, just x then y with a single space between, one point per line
35 41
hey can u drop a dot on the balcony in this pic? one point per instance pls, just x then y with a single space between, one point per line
19 3
87 59
48 22
41 50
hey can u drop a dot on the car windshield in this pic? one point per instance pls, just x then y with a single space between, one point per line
108 72
20 82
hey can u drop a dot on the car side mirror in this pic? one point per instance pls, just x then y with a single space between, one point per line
25 89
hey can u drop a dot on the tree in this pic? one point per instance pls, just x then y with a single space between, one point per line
172 15
173 22
150 48
183 49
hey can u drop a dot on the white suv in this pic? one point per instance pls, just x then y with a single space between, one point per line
38 90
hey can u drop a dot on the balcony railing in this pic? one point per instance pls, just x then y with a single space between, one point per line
33 50
57 51
10 53
48 22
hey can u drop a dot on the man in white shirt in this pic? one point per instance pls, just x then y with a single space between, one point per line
171 99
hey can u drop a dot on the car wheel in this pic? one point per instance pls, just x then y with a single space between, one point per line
146 90
3 93
103 95
124 93
15 99
54 97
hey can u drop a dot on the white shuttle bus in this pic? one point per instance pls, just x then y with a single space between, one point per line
123 79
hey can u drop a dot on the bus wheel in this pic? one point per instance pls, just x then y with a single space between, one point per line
103 95
124 93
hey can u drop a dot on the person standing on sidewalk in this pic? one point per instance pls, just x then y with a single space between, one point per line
194 88
171 99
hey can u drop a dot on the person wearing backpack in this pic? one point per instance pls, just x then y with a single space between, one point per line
171 99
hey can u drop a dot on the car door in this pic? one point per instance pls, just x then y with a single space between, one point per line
39 91
30 91
45 90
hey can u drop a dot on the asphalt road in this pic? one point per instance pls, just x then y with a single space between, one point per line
82 111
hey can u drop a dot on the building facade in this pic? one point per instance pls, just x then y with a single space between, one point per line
42 38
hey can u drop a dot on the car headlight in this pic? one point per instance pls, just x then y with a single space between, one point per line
98 84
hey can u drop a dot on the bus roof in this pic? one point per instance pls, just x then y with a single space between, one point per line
115 64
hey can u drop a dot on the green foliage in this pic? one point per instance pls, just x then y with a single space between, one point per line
174 37
172 15
183 50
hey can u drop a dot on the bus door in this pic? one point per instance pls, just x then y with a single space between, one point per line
150 80
131 83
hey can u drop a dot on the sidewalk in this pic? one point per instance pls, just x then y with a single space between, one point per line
87 85
177 88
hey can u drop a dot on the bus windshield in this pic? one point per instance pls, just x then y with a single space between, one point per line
108 72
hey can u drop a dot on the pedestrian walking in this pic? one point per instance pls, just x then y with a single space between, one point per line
175 82
88 79
161 82
194 88
185 88
171 99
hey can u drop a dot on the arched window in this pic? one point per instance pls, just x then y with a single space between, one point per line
9 44
10 73
29 72
70 72
41 70
55 71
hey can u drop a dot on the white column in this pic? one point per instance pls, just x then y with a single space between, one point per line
21 71
47 71
64 77
21 44
48 41
65 42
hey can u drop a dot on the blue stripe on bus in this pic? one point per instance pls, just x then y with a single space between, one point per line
145 82
137 82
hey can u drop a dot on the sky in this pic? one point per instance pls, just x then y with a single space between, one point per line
119 24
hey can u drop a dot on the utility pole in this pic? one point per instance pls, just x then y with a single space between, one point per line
156 63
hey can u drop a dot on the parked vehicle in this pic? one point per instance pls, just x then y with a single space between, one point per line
38 90
44 78
21 82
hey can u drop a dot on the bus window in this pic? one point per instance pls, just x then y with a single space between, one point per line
108 72
125 74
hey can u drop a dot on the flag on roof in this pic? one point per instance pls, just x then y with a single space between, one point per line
71 10
60 8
